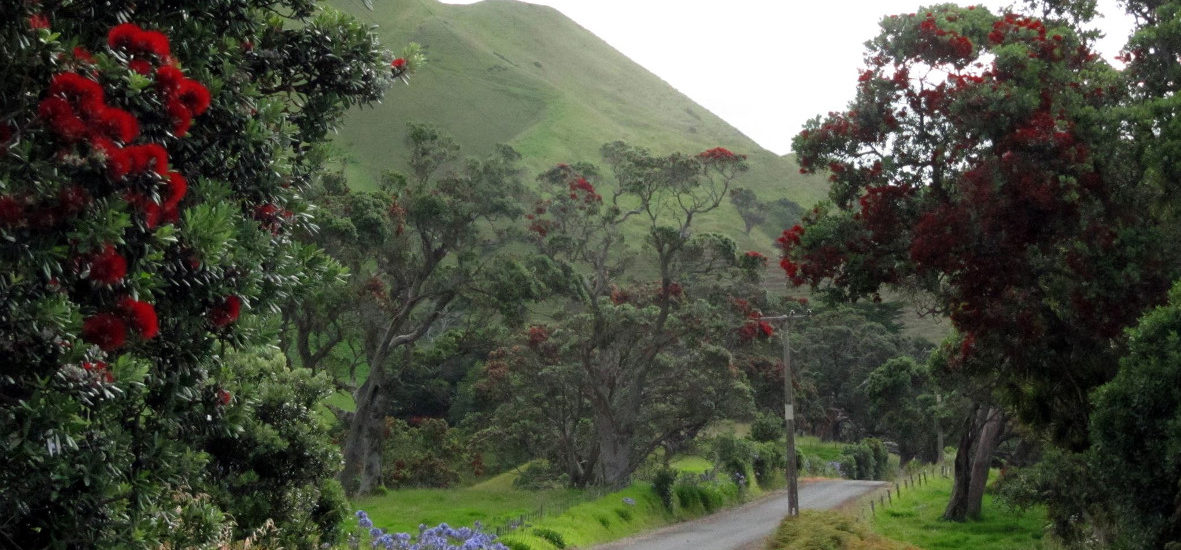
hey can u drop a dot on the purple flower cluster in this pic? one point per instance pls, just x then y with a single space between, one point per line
440 537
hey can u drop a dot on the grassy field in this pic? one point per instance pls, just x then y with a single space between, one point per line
914 518
491 503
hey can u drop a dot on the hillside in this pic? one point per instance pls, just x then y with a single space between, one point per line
502 71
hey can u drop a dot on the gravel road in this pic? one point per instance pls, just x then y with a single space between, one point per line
745 527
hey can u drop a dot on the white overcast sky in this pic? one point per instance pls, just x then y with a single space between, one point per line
765 66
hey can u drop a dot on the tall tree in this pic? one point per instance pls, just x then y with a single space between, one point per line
151 157
982 163
747 203
429 242
647 362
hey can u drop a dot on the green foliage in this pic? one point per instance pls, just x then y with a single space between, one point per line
150 180
767 427
1127 484
733 455
867 459
540 474
554 537
681 322
663 483
279 463
428 453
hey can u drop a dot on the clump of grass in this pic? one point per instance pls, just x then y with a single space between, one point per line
828 530
555 538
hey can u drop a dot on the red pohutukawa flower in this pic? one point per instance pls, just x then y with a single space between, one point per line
142 316
227 312
12 212
105 330
116 123
398 64
108 267
38 21
130 38
177 187
100 369
83 55
224 397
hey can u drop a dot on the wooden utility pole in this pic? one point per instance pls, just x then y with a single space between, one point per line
789 416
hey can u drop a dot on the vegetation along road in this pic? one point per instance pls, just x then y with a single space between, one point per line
745 527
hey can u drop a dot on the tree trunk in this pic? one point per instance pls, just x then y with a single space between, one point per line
982 431
362 448
614 450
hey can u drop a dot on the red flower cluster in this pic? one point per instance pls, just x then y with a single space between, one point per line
588 191
398 65
107 267
142 46
227 312
75 110
942 43
718 153
185 98
105 330
224 397
141 315
538 335
38 22
99 369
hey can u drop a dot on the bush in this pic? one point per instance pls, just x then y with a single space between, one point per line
555 538
732 455
663 483
150 185
688 495
767 460
767 427
881 457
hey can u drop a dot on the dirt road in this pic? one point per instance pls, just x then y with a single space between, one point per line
745 527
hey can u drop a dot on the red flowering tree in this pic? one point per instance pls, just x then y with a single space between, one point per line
982 163
135 159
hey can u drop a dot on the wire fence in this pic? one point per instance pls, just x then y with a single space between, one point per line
505 526
879 500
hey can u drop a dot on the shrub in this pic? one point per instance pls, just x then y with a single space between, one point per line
767 427
150 184
662 483
768 459
688 495
881 457
555 538
733 455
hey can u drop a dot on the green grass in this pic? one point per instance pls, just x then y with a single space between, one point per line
490 503
915 518
812 446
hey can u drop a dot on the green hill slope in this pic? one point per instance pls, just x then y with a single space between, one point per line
502 71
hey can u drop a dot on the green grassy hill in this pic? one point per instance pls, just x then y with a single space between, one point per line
502 71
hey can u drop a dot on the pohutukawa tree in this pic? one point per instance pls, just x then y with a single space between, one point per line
149 175
643 365
420 247
980 163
